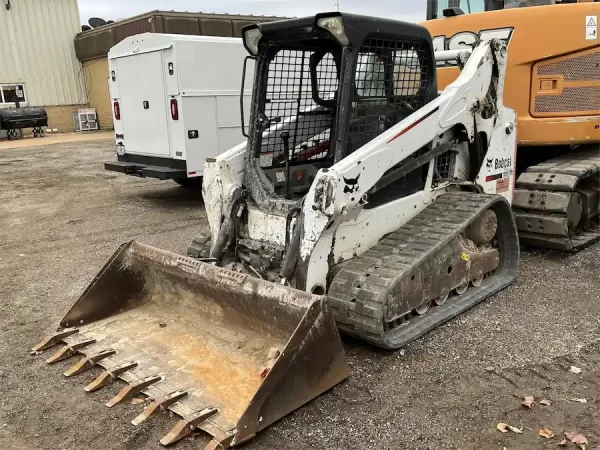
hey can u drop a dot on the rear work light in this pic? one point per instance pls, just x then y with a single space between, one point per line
117 110
174 109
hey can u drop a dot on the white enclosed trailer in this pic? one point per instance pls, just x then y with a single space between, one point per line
176 102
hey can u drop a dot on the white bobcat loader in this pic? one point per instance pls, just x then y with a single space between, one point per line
361 199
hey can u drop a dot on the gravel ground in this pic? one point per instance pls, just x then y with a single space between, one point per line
62 216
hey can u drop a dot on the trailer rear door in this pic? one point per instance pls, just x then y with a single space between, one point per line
144 104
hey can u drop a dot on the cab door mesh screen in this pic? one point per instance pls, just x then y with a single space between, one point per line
390 84
289 106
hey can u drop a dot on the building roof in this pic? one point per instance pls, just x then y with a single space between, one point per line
97 42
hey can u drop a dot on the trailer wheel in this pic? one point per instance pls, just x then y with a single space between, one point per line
190 183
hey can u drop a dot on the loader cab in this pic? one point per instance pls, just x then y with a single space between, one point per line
324 87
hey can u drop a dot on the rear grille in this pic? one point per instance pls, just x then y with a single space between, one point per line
444 166
574 99
580 68
567 86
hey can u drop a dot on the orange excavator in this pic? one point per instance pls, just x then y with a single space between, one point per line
553 83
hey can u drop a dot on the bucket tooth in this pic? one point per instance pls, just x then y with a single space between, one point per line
132 389
157 405
87 362
54 339
186 426
108 376
215 444
69 350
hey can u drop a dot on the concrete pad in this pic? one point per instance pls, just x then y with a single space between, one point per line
59 138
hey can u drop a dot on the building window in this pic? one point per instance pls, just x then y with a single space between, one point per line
11 93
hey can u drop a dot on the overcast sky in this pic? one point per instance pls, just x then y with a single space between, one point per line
409 10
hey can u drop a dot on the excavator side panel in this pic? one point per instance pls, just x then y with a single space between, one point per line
545 44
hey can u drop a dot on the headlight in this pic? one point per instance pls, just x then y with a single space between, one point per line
335 25
251 39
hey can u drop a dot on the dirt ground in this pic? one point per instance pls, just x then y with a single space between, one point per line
62 216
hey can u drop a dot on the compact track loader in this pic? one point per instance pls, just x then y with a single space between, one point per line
361 197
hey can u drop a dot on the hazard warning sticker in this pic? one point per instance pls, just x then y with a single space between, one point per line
502 185
280 175
591 28
266 160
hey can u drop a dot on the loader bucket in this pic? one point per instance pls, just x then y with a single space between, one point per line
227 352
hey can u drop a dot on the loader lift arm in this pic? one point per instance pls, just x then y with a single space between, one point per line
380 170
471 106
462 104
463 107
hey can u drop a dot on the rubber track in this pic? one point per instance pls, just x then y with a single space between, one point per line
583 164
360 311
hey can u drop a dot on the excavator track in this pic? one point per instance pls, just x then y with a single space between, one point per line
556 202
375 295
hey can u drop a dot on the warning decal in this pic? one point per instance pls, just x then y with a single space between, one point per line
266 159
591 28
502 185
496 176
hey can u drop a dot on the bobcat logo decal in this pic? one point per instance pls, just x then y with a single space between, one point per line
351 185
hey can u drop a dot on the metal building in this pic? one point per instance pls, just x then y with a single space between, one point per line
93 45
38 64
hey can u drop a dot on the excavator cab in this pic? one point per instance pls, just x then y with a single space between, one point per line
324 87
436 9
